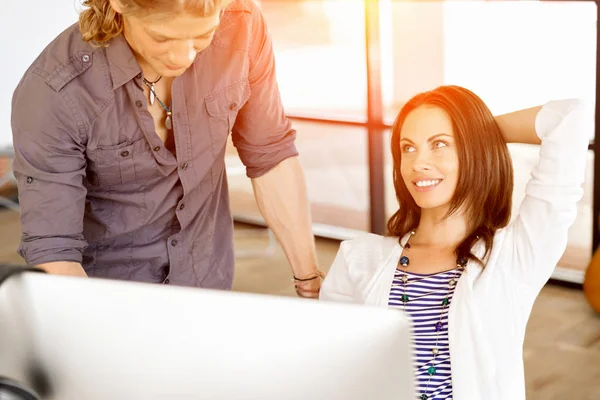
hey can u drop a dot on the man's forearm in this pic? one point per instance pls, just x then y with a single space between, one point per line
63 268
519 126
283 201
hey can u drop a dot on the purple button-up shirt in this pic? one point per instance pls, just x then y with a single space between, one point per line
96 184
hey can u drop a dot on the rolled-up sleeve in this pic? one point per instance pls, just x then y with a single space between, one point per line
49 166
262 134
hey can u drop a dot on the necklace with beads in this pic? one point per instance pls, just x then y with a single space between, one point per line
404 263
153 96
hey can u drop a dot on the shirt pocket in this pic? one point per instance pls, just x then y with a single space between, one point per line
120 164
222 108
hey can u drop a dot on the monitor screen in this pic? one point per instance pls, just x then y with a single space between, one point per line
78 338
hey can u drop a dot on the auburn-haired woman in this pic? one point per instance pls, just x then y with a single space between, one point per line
454 261
120 128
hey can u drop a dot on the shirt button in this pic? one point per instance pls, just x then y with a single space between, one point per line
233 106
184 166
173 242
181 206
138 104
124 153
157 148
29 179
139 76
85 58
167 281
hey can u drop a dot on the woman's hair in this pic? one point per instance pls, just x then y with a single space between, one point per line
99 22
485 173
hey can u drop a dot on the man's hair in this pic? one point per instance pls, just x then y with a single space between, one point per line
99 22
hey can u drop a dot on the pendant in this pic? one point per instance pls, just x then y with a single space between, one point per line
404 261
152 95
168 121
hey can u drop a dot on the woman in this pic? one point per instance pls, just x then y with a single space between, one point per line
453 260
120 130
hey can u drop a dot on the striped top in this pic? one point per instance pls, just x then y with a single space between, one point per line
426 294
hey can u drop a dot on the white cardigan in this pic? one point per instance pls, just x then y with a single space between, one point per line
491 307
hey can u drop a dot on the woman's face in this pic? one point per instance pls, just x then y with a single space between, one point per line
429 164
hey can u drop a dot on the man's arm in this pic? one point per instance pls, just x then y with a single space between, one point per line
49 167
63 268
264 139
283 201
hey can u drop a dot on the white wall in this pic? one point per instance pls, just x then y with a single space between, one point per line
26 28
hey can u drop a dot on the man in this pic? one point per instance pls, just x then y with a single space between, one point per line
120 128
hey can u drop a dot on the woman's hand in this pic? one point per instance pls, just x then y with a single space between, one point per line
519 126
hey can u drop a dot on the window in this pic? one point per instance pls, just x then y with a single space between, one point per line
320 56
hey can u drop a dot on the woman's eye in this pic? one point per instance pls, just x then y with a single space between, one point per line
407 148
439 143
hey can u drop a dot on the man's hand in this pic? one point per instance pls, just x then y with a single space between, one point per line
309 286
63 268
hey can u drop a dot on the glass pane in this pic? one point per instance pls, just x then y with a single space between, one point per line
548 52
320 55
336 168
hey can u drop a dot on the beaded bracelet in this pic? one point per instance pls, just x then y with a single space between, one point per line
318 274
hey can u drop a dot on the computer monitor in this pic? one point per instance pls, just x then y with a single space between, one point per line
75 338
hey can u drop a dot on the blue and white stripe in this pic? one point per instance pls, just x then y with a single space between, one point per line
426 294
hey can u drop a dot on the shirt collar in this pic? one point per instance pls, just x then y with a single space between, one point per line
121 61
